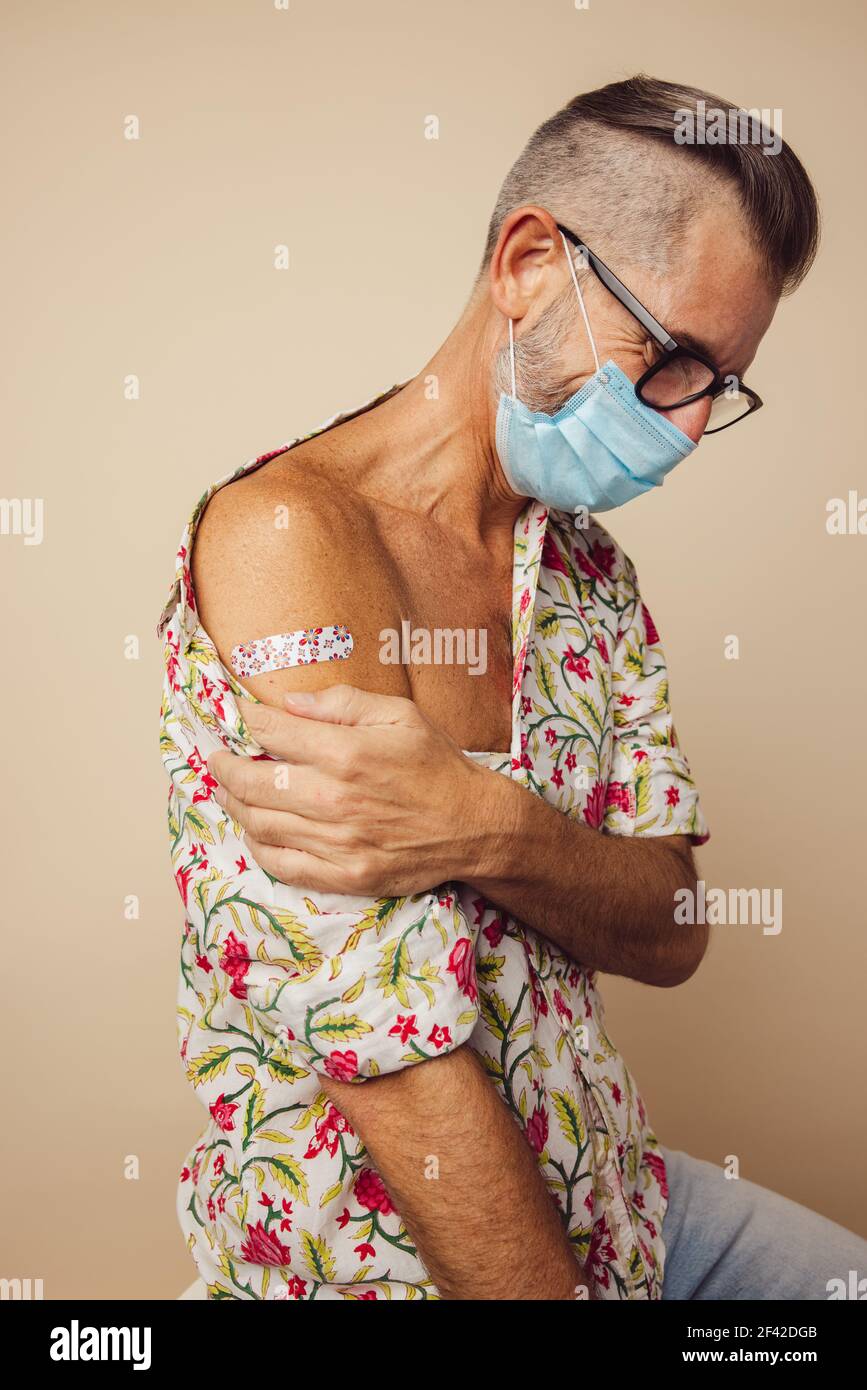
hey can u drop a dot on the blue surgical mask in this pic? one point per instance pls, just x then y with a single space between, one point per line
601 449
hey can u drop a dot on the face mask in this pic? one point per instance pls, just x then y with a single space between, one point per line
601 449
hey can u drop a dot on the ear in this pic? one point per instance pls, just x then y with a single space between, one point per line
527 266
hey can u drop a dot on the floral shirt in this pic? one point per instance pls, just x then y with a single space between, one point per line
277 1197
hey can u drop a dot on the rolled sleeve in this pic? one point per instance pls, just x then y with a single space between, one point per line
650 788
350 986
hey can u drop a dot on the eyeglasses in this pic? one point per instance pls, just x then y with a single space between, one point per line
682 375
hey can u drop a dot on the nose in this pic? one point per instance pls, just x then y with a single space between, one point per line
692 419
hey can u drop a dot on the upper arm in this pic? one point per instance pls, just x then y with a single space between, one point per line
358 986
278 553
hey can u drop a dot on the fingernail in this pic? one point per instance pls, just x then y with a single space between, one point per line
299 697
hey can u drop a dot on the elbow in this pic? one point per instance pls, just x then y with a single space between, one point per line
682 957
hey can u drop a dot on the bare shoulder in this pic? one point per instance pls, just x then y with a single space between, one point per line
285 548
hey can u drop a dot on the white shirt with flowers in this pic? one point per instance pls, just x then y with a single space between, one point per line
278 1197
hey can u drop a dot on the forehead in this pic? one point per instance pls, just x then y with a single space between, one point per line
715 291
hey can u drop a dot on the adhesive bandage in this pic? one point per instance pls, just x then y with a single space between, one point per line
300 648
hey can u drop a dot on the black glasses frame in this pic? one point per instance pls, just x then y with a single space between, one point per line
670 348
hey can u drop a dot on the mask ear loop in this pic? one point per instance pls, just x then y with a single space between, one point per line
512 359
580 300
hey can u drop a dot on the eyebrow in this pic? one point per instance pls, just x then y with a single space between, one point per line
689 340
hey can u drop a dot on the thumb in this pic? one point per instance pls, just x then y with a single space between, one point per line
347 704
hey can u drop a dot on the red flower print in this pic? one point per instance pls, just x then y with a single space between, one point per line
263 1247
616 1094
235 961
182 879
404 1028
601 645
672 796
370 1192
586 565
571 761
210 692
463 966
579 664
525 599
242 865
603 556
600 1251
342 1066
656 1163
365 1251
343 1219
537 998
222 1112
495 932
519 667
550 736
621 796
439 1036
561 1006
328 1129
626 700
649 627
537 1129
204 791
557 777
296 1288
594 808
368 1297
204 964
551 557
188 589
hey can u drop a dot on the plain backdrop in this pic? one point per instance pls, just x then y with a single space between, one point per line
155 258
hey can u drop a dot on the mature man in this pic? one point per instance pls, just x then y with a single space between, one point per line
423 866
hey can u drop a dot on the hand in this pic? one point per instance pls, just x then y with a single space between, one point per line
367 798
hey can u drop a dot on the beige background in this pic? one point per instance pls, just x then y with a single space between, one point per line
155 257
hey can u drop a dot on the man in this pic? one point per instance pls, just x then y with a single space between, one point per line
423 866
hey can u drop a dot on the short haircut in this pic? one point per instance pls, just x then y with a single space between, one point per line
608 164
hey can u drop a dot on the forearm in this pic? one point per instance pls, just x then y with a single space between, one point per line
465 1181
607 900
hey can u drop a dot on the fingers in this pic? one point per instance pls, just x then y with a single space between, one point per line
294 738
271 785
298 870
349 704
279 789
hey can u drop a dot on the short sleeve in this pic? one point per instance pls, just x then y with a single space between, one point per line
350 986
650 788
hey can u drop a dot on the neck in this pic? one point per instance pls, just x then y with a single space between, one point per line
429 450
